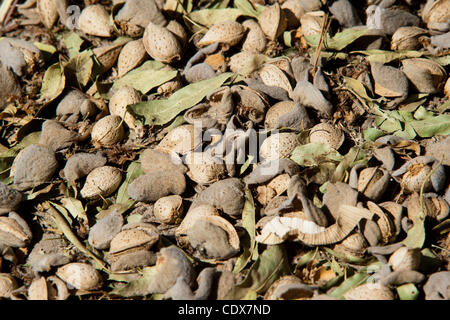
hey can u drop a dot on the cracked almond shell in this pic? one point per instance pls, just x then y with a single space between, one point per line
407 38
425 75
311 23
272 21
405 259
9 198
101 182
47 12
369 291
7 285
204 168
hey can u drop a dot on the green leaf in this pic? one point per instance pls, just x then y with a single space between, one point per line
372 134
435 126
47 50
348 257
247 8
7 157
443 61
339 41
208 17
383 56
247 164
134 170
354 156
160 112
73 43
306 258
269 266
312 154
80 66
248 222
53 82
75 208
423 114
287 38
408 292
137 287
388 124
148 76
416 235
444 107
349 283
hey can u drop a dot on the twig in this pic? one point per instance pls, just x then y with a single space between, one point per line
4 8
324 29
10 12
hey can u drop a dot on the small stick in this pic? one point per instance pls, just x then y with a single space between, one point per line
324 29
4 8
10 12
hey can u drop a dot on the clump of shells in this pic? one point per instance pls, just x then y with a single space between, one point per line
179 150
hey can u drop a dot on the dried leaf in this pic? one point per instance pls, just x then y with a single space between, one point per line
312 154
208 17
339 41
137 287
148 76
439 125
134 170
73 43
247 8
349 283
269 266
383 56
75 208
248 222
53 82
159 112
80 66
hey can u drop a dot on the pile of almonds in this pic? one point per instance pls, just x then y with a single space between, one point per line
169 149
